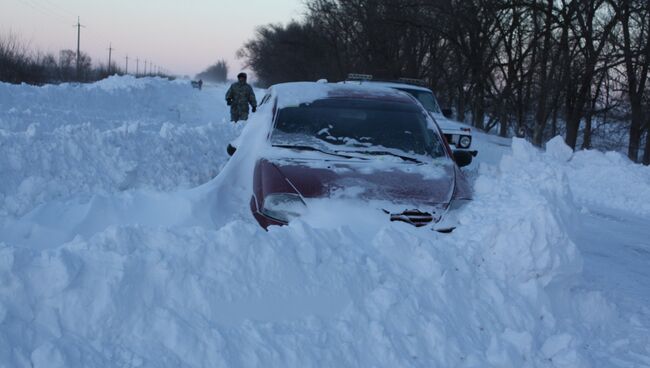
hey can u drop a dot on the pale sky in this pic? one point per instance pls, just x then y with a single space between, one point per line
182 36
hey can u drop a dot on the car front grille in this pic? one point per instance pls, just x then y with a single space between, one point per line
414 217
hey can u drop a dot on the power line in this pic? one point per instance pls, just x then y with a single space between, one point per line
41 10
51 10
60 9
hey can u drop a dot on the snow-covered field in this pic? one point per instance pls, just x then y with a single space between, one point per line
126 241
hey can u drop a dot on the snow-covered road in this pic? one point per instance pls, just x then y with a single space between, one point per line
616 250
126 241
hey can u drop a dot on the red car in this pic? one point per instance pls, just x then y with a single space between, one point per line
375 145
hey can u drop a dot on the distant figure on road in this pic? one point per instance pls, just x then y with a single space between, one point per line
200 84
521 132
239 96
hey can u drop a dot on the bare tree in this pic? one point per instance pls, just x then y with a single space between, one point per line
634 42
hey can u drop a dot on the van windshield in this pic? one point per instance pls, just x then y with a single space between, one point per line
426 98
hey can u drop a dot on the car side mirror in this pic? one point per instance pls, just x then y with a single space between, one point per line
230 149
462 158
447 113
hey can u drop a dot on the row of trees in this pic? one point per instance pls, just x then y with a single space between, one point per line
547 66
18 64
217 72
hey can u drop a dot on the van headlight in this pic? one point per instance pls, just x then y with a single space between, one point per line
283 206
465 141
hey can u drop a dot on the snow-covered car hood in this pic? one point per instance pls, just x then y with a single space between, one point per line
446 124
397 182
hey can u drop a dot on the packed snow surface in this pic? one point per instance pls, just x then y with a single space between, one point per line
126 241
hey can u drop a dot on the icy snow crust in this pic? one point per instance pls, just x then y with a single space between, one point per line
171 270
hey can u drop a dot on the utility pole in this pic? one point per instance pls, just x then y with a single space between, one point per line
110 51
137 66
126 70
78 25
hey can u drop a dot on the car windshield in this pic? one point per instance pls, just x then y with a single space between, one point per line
357 125
426 98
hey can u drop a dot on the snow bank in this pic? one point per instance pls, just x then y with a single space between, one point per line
108 104
603 179
599 180
77 159
113 135
115 83
610 180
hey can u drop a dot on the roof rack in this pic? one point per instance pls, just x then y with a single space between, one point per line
369 77
359 77
419 82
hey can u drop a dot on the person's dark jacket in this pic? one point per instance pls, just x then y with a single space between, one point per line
240 95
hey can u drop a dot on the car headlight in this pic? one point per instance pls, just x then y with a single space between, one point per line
464 141
283 206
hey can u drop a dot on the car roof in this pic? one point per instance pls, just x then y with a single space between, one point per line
296 93
387 84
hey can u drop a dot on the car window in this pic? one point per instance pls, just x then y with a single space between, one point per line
357 124
426 98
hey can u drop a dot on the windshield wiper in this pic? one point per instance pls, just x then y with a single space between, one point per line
310 148
388 153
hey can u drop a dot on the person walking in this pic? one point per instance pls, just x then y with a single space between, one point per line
239 96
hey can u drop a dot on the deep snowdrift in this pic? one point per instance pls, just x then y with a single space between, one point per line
114 135
162 271
610 180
